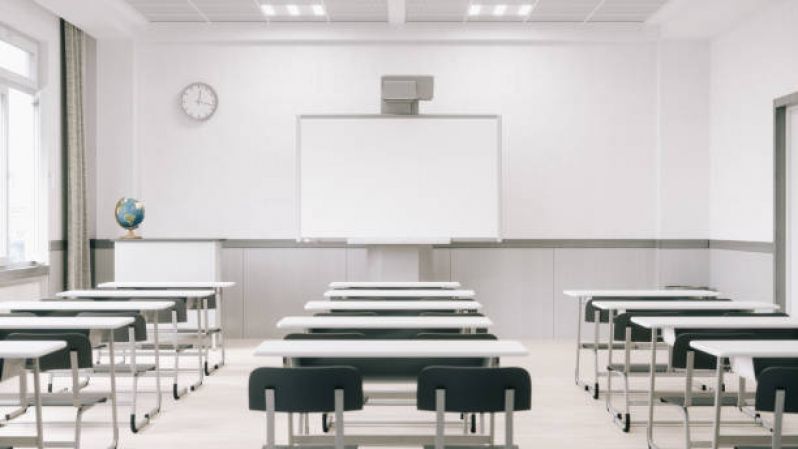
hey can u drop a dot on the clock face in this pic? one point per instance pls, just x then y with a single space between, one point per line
199 101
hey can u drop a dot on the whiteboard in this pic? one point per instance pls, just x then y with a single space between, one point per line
399 179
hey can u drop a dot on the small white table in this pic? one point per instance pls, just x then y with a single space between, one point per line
392 305
144 307
439 293
391 348
741 354
669 326
583 296
196 299
393 285
140 285
107 325
383 322
29 350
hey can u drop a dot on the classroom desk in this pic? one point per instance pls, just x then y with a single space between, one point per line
615 307
105 325
144 307
440 293
383 322
741 354
29 350
197 299
669 325
392 305
490 349
393 285
583 296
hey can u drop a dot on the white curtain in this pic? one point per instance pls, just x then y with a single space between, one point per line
78 263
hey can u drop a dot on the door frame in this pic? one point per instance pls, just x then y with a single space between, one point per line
781 108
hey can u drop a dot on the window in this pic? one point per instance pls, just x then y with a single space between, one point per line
20 186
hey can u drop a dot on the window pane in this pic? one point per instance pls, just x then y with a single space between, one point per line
15 59
21 176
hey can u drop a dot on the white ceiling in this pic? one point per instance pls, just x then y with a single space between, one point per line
415 10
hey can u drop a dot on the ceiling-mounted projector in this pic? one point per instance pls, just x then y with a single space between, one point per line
401 93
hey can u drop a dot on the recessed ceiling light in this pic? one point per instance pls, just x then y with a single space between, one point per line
318 10
474 10
267 10
524 10
499 10
292 9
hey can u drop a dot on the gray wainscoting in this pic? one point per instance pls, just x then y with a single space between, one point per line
521 286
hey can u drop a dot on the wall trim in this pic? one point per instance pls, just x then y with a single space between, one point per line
508 243
743 245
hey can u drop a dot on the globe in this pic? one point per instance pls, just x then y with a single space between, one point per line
129 213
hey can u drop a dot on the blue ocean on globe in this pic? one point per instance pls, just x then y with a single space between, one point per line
129 213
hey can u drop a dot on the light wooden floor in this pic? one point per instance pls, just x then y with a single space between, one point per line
216 416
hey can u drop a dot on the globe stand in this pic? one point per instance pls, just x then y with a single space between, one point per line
130 236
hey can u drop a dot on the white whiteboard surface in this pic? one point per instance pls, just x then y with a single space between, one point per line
378 177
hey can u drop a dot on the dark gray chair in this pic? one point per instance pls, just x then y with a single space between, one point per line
305 390
776 392
474 390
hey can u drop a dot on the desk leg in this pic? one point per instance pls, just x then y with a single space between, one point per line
718 402
578 338
651 388
112 366
37 401
200 350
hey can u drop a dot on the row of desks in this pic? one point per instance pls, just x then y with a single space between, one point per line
740 352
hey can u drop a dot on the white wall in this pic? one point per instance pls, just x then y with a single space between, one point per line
751 65
581 131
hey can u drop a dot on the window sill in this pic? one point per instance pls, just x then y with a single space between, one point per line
22 271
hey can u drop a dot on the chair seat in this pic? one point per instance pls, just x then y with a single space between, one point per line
124 368
637 368
601 346
67 402
498 446
703 401
302 446
764 447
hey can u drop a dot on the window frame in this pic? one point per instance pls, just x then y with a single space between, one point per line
29 85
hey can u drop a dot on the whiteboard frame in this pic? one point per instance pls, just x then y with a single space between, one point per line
499 164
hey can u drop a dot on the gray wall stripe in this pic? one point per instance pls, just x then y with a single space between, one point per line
741 245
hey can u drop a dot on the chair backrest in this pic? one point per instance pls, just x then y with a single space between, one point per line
121 335
451 336
773 379
306 390
347 313
639 334
590 310
469 313
165 316
327 336
776 314
474 390
702 360
58 360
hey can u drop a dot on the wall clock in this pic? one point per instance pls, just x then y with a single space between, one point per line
199 101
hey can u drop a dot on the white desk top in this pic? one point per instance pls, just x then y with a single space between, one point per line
29 349
350 293
748 348
382 322
188 285
723 322
93 306
391 348
392 305
641 293
683 305
136 294
68 323
381 285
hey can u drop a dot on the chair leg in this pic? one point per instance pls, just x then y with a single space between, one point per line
509 403
339 419
778 416
270 419
440 417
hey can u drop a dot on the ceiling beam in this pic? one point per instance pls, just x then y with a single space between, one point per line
397 12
